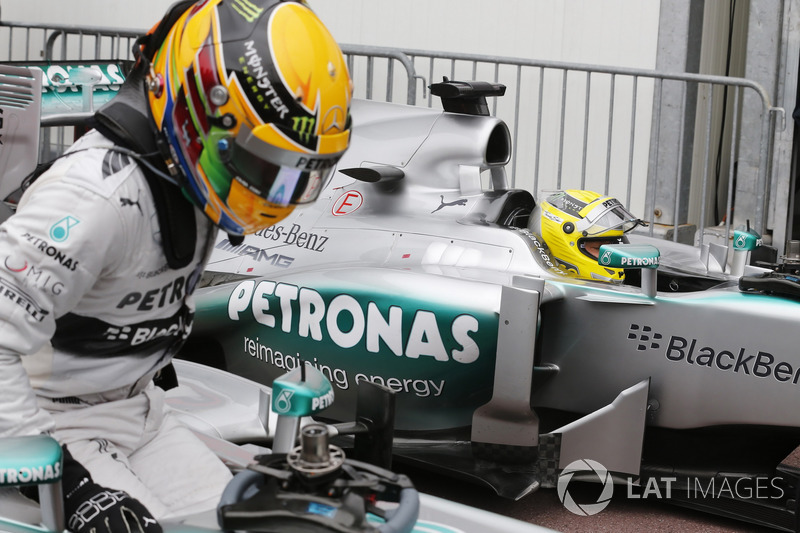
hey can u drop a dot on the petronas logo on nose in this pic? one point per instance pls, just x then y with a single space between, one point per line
248 10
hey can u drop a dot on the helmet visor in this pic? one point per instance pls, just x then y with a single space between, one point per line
282 177
611 215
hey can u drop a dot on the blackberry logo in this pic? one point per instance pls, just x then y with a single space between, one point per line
644 335
590 467
117 334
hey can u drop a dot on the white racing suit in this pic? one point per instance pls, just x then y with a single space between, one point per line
89 312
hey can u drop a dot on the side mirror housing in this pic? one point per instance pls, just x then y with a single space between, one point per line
642 256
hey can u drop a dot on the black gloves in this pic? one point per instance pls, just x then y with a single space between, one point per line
90 508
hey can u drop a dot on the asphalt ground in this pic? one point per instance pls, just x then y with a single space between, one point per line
543 508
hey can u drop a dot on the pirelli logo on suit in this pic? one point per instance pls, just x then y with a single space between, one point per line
10 291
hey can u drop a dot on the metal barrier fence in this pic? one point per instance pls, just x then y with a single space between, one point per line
53 42
673 147
667 144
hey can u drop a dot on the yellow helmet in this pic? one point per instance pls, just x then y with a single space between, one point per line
252 98
574 224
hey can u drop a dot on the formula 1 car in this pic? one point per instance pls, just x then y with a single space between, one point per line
417 269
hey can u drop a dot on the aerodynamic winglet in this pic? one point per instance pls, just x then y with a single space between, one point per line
374 174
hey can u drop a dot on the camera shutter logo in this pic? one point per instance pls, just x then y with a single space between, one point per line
585 509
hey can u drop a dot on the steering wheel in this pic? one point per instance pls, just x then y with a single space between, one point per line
314 488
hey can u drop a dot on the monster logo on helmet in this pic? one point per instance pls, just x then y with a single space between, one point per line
575 223
253 99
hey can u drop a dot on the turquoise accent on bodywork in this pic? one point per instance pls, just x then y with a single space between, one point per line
747 240
629 256
29 460
708 306
436 348
709 297
10 526
750 299
293 396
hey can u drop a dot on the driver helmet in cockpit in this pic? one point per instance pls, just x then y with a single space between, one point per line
574 224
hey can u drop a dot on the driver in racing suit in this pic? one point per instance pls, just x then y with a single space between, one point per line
98 265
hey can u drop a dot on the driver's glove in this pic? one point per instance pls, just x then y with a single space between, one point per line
90 508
